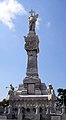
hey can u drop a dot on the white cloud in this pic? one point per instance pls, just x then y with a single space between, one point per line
38 23
48 24
8 11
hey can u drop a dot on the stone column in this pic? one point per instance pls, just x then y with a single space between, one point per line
48 110
9 112
32 68
9 109
5 111
48 116
19 113
37 110
37 113
63 109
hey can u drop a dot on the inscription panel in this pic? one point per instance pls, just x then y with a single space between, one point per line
30 88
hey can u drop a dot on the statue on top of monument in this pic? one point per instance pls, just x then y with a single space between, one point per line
11 87
32 20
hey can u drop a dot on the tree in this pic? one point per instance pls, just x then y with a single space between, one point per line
4 103
61 98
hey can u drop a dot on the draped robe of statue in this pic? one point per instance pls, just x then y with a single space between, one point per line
32 21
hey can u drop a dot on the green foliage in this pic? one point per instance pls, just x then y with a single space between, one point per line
61 98
4 103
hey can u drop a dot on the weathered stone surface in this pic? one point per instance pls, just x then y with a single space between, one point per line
56 117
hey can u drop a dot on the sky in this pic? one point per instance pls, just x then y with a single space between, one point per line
51 30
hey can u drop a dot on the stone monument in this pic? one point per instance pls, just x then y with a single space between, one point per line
33 100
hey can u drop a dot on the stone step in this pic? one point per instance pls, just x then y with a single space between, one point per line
2 117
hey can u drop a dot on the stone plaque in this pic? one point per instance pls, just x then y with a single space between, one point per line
30 88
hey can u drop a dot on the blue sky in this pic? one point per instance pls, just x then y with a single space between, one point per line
51 29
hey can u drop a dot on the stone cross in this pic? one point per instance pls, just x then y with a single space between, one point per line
32 13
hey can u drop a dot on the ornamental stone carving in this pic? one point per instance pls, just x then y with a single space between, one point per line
32 43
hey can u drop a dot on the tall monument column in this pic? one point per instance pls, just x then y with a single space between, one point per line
32 49
32 46
32 69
